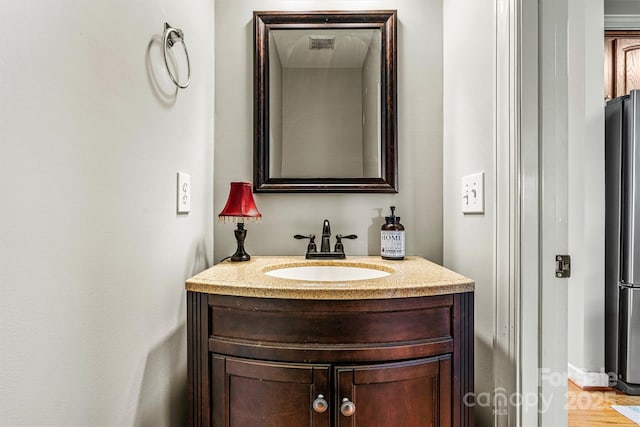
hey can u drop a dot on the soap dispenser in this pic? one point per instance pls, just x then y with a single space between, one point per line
392 237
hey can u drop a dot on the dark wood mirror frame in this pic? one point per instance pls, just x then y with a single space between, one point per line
383 20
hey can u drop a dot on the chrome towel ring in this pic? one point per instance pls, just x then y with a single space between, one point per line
170 37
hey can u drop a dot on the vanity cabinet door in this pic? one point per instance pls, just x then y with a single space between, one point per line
251 393
416 393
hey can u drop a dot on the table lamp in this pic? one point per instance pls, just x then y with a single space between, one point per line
240 207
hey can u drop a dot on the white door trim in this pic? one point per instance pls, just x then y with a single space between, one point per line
553 209
516 348
531 144
528 143
507 324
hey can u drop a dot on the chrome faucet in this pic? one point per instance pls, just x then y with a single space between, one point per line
325 245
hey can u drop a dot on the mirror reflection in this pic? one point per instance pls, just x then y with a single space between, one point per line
324 103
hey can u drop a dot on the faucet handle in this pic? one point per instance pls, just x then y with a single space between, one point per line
348 236
311 237
339 247
311 247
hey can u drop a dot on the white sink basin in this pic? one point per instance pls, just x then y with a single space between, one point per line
327 273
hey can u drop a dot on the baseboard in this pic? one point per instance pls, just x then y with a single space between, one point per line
585 379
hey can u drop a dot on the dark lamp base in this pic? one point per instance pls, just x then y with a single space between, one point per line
241 254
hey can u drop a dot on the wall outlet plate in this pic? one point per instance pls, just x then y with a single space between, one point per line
184 192
473 193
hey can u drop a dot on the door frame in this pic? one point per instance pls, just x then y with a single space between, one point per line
554 210
531 184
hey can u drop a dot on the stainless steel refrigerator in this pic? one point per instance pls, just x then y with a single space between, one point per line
622 242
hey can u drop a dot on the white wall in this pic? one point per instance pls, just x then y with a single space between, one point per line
93 257
419 201
469 147
586 192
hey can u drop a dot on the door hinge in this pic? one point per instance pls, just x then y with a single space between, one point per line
563 266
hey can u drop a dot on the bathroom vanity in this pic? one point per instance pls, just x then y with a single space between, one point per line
389 351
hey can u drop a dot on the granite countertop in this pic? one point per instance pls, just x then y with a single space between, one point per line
411 277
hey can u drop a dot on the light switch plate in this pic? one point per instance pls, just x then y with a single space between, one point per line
473 193
184 192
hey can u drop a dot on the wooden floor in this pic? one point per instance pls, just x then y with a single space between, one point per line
593 408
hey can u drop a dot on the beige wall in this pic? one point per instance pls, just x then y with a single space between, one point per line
323 110
622 7
275 113
586 192
371 110
419 201
93 257
469 147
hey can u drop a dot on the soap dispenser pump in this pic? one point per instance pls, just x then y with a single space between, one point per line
392 237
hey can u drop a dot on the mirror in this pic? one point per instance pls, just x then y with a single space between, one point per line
325 102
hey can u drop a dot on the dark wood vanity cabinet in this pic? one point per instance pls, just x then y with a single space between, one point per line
413 393
250 393
260 362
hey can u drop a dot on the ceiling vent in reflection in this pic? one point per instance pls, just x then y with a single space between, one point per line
321 42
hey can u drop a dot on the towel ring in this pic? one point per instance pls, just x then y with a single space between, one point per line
170 37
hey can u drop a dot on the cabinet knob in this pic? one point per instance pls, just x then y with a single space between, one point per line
347 408
320 404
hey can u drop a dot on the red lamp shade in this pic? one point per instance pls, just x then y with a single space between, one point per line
240 202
